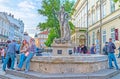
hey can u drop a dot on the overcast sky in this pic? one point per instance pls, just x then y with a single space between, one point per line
26 10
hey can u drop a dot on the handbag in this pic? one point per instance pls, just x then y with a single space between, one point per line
27 53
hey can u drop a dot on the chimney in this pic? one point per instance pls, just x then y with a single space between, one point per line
13 16
10 14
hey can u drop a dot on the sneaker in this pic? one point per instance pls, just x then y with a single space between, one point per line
12 69
18 69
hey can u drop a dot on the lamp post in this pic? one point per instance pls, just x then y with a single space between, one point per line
87 23
100 26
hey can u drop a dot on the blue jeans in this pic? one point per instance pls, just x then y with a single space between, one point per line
22 59
111 57
12 56
29 57
2 57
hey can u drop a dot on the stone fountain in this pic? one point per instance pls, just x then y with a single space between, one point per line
61 60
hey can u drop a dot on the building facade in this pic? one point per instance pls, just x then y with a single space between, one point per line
41 38
10 28
78 36
4 27
26 37
17 28
101 18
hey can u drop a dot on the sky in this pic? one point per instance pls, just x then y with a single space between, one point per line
25 10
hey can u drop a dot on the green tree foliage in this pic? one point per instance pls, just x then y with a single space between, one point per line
52 24
117 1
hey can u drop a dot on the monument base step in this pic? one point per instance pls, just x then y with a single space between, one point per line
102 74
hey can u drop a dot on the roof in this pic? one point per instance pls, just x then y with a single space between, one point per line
44 32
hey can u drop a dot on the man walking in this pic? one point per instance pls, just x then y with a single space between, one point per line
10 54
111 56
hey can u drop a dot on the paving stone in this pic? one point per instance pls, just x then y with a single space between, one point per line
103 74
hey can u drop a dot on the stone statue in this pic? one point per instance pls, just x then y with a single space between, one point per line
63 18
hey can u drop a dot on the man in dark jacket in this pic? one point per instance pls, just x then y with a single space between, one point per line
111 56
105 48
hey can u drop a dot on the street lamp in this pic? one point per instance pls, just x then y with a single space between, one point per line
87 23
100 26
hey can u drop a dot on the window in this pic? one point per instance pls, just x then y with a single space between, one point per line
104 36
98 13
103 9
112 5
113 34
93 38
82 17
89 40
89 19
93 17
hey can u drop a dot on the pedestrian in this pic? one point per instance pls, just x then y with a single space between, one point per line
23 49
30 54
17 51
97 48
83 49
9 60
92 50
0 53
74 50
119 52
111 56
78 49
18 47
105 49
10 54
3 54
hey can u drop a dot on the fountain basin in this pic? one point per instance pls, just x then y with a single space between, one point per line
68 64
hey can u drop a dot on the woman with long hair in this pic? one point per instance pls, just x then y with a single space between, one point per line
30 54
23 50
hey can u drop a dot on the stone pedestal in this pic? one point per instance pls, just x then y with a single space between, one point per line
65 49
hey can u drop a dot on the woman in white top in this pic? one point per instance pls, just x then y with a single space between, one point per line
23 51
